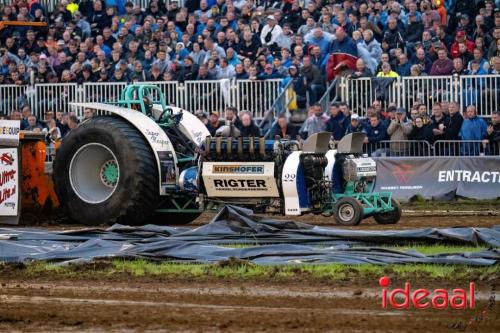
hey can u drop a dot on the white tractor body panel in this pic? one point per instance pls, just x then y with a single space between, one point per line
240 179
330 156
290 184
154 134
192 127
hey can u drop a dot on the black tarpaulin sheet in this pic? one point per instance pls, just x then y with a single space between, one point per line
269 242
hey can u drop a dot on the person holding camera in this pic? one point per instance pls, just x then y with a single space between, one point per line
493 131
399 129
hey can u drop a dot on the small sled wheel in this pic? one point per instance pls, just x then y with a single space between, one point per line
348 211
391 217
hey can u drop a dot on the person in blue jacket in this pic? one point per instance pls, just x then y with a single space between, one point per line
376 131
473 128
343 44
356 126
335 124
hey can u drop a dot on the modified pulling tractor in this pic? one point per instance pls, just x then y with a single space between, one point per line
142 161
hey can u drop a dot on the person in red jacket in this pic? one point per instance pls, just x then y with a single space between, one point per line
460 38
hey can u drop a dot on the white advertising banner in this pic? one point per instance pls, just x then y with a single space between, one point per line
9 174
233 179
9 132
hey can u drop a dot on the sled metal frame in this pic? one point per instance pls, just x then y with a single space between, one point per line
373 202
180 204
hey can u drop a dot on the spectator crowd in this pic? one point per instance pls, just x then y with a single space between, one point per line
396 132
306 42
118 41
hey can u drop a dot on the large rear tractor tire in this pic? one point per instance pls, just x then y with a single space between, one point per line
348 211
105 172
391 217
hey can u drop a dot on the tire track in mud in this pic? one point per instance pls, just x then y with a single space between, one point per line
96 305
260 291
226 308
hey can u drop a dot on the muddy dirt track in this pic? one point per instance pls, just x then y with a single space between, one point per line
406 222
83 306
133 304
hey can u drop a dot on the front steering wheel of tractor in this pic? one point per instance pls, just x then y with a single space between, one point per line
348 211
163 114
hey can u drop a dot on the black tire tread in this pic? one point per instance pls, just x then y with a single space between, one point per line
144 198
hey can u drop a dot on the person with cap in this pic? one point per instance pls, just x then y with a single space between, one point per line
214 123
269 73
399 128
464 24
281 70
270 33
461 38
355 126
